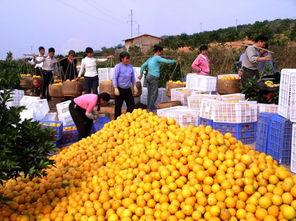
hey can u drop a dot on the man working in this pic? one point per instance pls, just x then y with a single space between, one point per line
251 59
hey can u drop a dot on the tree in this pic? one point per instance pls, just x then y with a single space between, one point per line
9 56
24 146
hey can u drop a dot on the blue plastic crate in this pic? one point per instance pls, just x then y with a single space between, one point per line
246 132
279 139
57 126
204 121
263 123
100 123
69 136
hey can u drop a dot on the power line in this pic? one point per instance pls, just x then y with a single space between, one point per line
82 12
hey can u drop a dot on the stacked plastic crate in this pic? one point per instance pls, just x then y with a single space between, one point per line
184 116
231 114
283 142
57 127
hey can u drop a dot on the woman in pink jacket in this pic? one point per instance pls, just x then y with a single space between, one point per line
201 64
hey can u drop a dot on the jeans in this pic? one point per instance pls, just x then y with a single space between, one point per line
152 87
91 85
127 96
47 77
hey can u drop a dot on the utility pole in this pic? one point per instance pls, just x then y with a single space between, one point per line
200 27
236 24
131 23
138 29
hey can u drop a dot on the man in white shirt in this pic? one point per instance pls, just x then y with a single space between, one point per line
48 67
89 65
37 61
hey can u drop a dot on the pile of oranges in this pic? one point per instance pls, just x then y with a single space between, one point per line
143 167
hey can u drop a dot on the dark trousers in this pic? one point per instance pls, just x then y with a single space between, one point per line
91 85
152 87
249 74
127 96
47 77
38 71
83 124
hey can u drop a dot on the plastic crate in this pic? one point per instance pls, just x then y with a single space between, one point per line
270 108
70 134
99 124
279 139
180 94
246 132
262 131
201 82
57 126
63 107
194 100
287 94
204 121
293 149
183 115
233 97
234 112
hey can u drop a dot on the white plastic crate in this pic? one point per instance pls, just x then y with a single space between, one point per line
194 100
180 94
63 107
40 108
293 150
104 74
26 115
160 98
184 116
53 116
28 100
287 94
233 97
270 108
66 118
201 82
16 96
239 112
229 112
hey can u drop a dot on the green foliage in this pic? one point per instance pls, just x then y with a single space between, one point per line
251 90
24 146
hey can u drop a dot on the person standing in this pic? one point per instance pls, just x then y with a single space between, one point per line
123 80
201 64
84 110
252 58
89 65
68 66
37 61
152 79
48 67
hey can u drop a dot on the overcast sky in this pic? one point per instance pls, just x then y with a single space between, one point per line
76 24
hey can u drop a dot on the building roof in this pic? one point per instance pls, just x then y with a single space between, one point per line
128 39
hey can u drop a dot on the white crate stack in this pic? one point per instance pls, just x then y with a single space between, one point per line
232 97
38 107
105 74
293 150
64 114
287 95
184 116
201 83
180 94
160 98
240 112
194 100
270 108
206 108
15 98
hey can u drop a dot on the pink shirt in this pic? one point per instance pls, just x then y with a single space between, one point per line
201 65
87 102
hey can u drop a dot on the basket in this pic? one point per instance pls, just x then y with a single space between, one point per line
99 124
70 134
37 82
293 149
269 108
194 100
26 82
72 88
168 104
200 82
171 84
56 90
107 86
228 86
57 126
139 87
180 94
204 121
